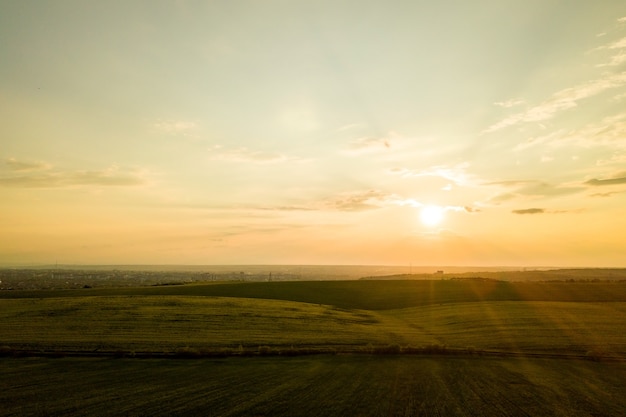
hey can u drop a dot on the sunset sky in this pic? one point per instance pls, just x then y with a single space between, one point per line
452 132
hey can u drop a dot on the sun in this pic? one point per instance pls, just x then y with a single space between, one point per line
431 215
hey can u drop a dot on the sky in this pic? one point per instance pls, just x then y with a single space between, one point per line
485 133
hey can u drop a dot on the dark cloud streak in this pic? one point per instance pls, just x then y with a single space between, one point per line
611 181
530 211
19 174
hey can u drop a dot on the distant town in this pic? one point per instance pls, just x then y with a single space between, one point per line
77 277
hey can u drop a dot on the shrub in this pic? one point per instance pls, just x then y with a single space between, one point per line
187 352
387 350
265 350
6 351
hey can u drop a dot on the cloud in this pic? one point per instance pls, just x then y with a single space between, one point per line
618 44
530 211
244 154
594 182
616 60
350 126
285 208
24 166
619 57
560 101
610 131
619 97
41 175
357 200
469 209
535 210
540 140
179 127
616 159
390 142
369 145
399 201
455 174
610 193
536 188
360 200
509 103
371 200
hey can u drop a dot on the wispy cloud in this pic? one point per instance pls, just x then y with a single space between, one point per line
619 97
608 194
509 103
530 211
350 126
618 44
362 200
537 188
285 208
176 127
616 59
41 175
357 200
369 145
456 174
615 45
531 188
411 202
610 131
25 166
535 210
365 145
244 154
471 209
608 181
541 140
561 100
616 159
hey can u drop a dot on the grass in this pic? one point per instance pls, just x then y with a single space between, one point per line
306 386
528 326
368 295
166 323
169 323
384 318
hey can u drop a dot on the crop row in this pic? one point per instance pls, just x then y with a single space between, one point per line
312 386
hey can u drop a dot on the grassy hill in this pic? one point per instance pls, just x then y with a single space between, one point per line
573 318
368 295
500 349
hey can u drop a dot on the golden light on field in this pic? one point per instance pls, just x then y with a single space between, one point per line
431 216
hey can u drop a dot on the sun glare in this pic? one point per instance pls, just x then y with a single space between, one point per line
431 215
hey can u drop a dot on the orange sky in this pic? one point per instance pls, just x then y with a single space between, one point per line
313 132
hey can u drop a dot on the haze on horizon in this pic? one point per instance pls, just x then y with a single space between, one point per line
313 132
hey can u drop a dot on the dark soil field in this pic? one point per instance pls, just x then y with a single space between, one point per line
311 386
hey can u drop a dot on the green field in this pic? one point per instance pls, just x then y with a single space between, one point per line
484 315
467 347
